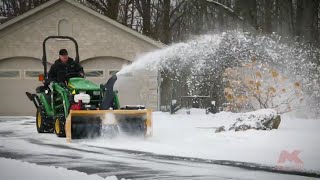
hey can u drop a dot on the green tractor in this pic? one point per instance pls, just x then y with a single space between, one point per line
80 108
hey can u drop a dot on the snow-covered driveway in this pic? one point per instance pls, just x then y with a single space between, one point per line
183 147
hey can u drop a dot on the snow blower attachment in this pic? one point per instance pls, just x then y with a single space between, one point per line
80 108
89 124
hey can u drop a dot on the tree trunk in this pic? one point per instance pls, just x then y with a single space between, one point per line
285 18
144 8
307 17
248 10
267 17
113 9
299 17
221 18
165 34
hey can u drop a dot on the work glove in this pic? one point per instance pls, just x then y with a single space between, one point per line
46 82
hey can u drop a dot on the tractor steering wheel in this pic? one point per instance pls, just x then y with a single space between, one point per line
74 74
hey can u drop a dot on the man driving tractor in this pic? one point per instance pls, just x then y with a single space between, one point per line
64 66
75 107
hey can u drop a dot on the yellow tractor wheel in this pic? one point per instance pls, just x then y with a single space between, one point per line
59 128
42 123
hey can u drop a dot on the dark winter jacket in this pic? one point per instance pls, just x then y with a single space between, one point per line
59 70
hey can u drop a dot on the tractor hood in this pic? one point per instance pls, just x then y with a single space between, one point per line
81 84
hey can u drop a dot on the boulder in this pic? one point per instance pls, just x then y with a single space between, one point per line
264 119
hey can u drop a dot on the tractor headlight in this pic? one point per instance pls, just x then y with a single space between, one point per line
96 93
85 98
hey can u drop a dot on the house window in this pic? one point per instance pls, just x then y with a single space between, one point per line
9 74
64 28
32 73
94 73
113 72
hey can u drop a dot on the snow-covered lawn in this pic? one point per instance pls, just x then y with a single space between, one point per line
16 170
194 136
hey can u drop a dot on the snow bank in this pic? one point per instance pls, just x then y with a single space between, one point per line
17 170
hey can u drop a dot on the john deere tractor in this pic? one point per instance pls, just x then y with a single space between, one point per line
80 108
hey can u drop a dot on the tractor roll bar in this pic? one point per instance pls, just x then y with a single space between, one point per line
44 57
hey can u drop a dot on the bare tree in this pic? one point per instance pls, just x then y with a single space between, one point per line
171 21
13 8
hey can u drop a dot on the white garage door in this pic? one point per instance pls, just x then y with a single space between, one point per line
18 75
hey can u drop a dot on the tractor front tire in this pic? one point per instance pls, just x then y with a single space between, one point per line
42 122
59 126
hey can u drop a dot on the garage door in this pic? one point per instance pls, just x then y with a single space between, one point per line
18 75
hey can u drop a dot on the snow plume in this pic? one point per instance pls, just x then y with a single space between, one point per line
200 62
179 55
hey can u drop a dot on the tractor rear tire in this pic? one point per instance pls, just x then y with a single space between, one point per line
43 124
59 126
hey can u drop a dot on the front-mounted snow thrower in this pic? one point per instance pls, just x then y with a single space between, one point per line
82 109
